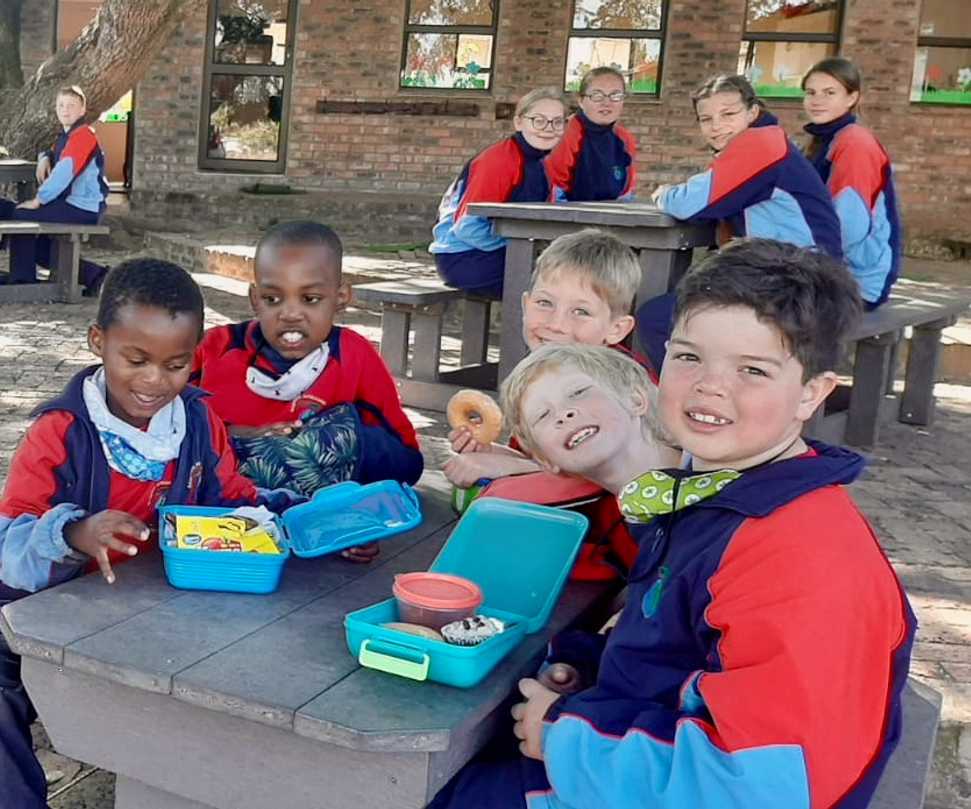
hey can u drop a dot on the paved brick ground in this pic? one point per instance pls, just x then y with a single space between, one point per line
917 491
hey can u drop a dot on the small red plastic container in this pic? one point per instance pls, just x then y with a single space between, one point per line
435 599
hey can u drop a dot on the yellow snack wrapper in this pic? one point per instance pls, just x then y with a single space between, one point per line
223 534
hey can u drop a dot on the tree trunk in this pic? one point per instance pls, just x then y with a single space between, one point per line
106 60
11 76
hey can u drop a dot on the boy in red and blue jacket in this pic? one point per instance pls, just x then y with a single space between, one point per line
759 661
85 483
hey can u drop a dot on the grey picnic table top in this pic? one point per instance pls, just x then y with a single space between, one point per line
13 170
277 662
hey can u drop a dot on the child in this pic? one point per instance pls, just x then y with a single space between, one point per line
74 191
856 169
468 253
759 183
581 291
84 484
596 158
308 403
759 660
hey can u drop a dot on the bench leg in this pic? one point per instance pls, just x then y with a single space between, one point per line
475 331
427 323
65 266
395 324
870 370
917 402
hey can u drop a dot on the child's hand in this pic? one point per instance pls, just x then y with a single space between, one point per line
266 430
561 678
462 441
658 193
362 554
43 169
95 534
464 470
529 716
30 205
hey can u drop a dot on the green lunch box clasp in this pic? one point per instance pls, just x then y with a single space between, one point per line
413 664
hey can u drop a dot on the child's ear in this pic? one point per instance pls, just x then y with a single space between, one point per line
814 393
252 296
96 340
620 327
640 404
345 294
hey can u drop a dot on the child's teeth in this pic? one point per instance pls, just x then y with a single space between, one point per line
704 418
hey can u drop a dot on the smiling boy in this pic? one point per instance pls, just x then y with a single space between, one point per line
761 655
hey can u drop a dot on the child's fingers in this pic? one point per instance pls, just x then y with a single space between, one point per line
119 545
362 553
128 526
105 565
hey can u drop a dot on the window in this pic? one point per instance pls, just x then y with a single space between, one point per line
625 34
783 39
245 99
449 44
942 64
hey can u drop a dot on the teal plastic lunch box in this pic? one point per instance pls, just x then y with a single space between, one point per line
337 517
518 553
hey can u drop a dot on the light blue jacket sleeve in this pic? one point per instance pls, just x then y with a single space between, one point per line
57 182
33 552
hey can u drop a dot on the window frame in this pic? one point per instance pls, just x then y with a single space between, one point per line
210 68
934 41
750 38
477 30
659 34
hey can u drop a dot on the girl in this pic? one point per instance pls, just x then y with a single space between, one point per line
74 191
595 160
468 253
856 169
759 183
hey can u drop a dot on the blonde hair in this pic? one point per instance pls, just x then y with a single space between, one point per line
601 259
611 368
596 73
72 90
533 97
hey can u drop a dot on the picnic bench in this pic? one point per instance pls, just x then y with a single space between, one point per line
234 701
416 307
927 312
22 173
64 285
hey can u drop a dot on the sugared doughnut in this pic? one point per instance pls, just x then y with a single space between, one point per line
477 412
413 629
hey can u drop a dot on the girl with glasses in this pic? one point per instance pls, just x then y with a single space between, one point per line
468 253
595 160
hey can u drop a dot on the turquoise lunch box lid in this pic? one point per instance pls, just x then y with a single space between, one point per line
520 554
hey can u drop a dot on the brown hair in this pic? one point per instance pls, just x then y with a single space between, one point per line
847 74
596 73
73 90
725 83
533 97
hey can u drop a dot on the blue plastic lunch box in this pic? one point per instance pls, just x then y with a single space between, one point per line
520 555
337 517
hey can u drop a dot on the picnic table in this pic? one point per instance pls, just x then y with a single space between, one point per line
200 699
21 172
663 245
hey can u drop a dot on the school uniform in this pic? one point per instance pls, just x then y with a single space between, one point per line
593 162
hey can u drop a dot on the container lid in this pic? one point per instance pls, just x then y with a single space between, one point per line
348 513
519 554
437 591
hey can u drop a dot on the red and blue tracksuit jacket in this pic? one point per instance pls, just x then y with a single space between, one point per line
593 162
759 662
857 171
59 474
761 185
78 175
508 171
355 374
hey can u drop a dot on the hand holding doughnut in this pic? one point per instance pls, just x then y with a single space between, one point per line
476 412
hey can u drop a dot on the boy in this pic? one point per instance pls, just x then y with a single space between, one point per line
581 291
84 484
307 403
759 660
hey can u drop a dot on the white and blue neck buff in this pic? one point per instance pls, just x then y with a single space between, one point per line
136 454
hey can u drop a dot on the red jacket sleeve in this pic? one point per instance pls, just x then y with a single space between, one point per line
631 145
234 488
563 159
858 162
492 176
31 483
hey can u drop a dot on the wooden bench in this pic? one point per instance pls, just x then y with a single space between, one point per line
418 306
875 340
64 285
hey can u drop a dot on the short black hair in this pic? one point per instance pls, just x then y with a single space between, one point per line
149 282
302 232
810 297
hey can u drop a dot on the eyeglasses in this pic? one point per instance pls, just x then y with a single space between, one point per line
597 96
541 122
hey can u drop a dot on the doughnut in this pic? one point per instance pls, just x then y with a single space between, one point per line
413 629
477 412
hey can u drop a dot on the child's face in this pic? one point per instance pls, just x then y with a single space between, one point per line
548 112
564 308
826 99
723 116
296 295
576 425
69 110
147 356
731 393
596 102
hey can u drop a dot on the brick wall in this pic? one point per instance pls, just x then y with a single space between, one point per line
351 51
